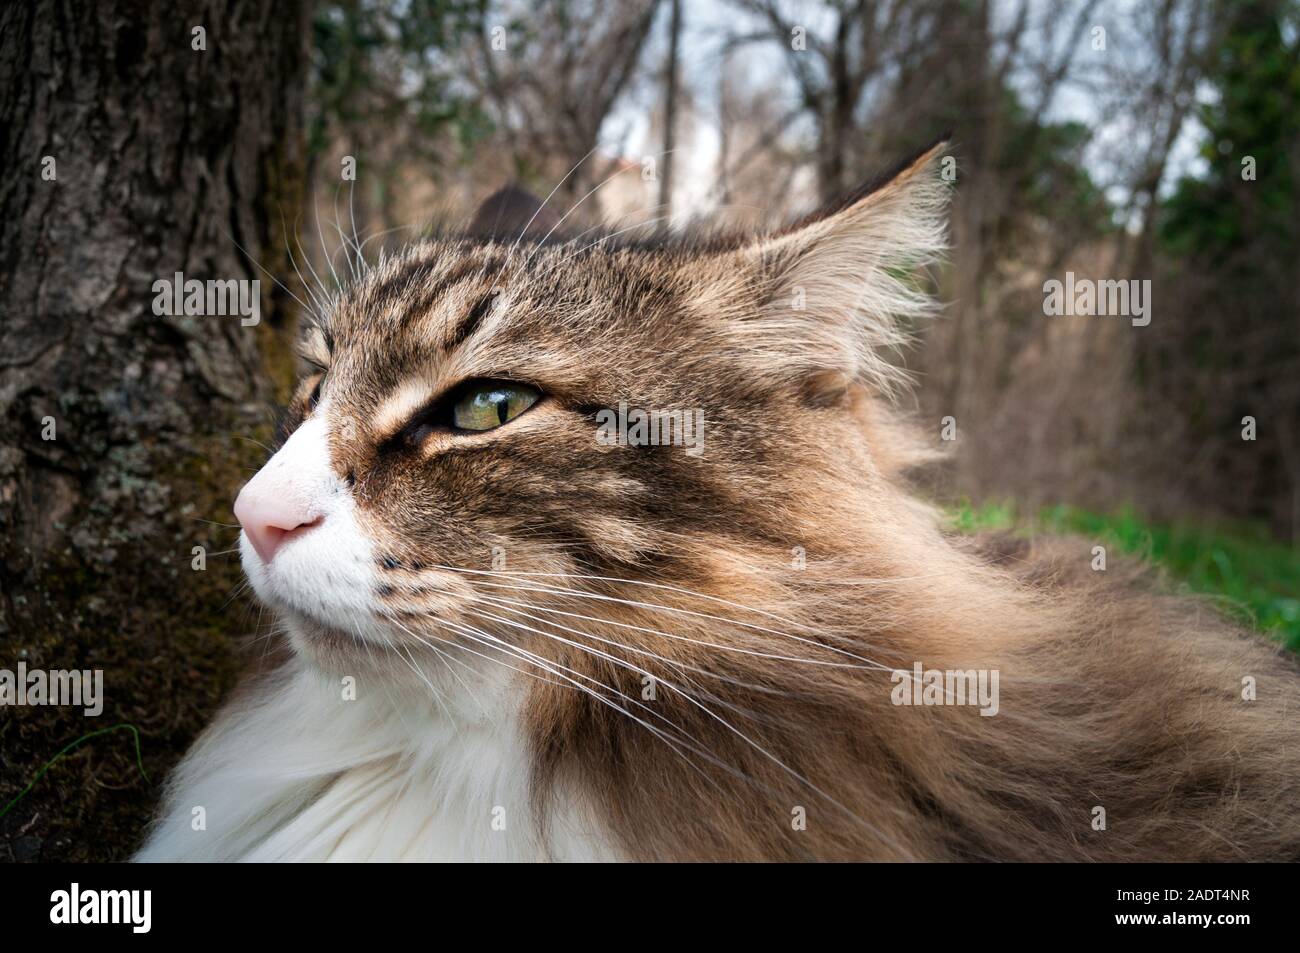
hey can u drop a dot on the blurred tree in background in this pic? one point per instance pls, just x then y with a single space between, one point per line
442 101
1232 232
385 90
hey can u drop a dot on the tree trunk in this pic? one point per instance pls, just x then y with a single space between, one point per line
119 426
670 113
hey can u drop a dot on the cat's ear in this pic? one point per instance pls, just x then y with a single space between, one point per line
841 287
511 213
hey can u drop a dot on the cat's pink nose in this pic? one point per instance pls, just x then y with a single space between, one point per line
270 517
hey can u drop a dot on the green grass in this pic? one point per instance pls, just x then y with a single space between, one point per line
1256 577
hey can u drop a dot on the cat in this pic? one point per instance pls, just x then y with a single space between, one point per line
506 639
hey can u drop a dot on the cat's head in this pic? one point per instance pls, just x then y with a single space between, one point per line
494 424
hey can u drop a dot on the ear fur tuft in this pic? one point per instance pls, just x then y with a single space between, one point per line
839 286
508 212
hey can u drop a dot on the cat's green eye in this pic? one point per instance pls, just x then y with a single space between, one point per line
487 405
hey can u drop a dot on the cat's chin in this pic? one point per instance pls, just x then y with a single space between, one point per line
406 669
347 650
331 648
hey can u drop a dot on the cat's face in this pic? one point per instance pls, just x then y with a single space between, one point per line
457 458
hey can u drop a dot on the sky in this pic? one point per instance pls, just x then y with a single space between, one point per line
707 23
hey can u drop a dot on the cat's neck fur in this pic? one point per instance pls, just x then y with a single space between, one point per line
295 769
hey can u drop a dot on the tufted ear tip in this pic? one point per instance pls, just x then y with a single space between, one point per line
840 287
511 213
898 177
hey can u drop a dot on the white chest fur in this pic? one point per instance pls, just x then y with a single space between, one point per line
296 771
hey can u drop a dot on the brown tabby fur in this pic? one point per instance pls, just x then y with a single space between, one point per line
771 687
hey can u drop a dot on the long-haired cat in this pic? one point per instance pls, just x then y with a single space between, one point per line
512 633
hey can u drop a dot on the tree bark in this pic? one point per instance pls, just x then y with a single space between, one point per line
166 159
